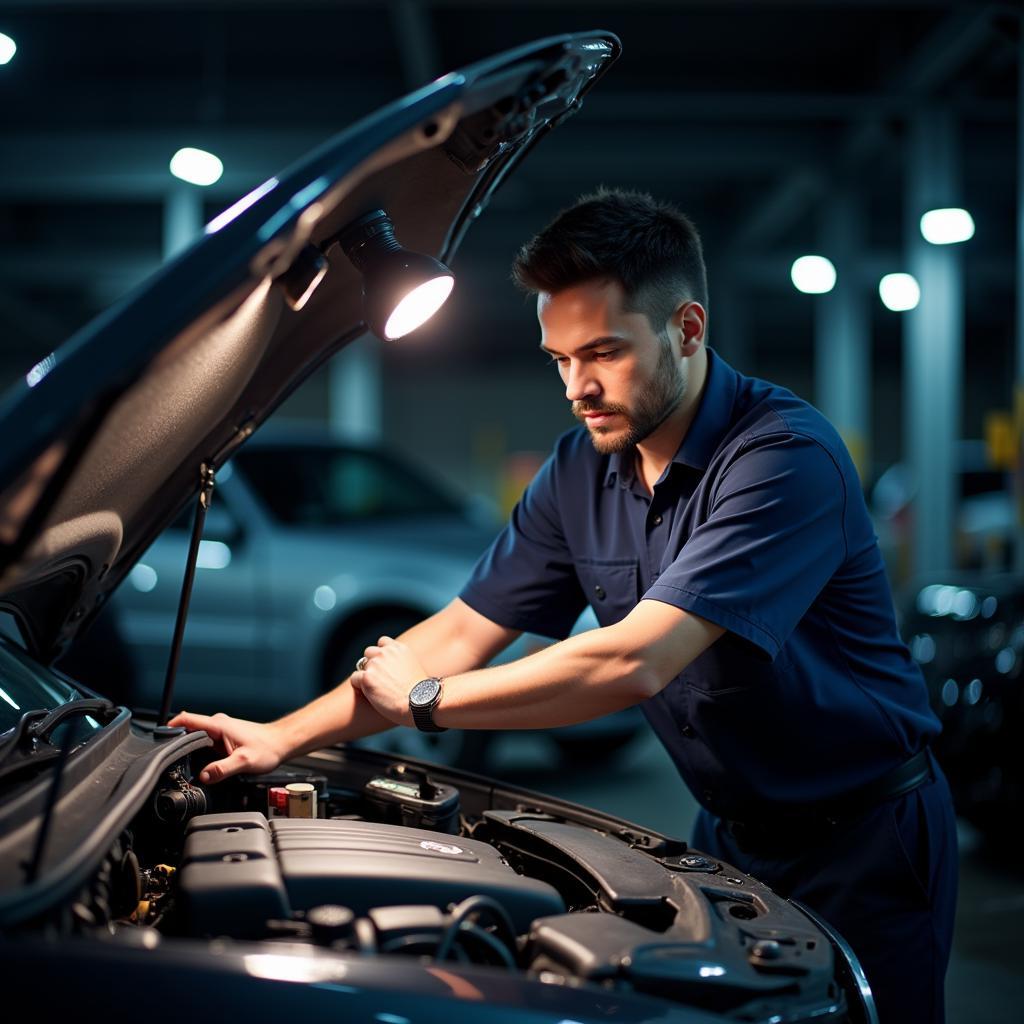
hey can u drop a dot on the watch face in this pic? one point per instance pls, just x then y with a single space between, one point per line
424 691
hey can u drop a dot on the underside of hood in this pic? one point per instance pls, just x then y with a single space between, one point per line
104 440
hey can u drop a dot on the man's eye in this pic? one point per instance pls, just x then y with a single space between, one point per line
558 360
605 354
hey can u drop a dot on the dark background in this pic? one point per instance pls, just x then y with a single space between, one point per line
749 115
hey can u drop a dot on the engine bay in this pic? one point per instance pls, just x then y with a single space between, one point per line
366 858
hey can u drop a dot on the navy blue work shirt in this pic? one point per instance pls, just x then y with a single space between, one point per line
759 525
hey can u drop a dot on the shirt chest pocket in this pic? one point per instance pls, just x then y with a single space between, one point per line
609 586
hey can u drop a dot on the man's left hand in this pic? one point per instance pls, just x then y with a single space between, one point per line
391 670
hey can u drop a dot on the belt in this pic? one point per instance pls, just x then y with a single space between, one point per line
791 826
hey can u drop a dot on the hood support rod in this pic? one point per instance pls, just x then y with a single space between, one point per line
206 485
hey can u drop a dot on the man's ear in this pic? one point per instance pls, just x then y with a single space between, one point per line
689 323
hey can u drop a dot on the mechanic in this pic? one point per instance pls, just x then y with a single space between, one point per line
716 524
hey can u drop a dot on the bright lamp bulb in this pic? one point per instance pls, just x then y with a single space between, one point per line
418 306
196 166
813 275
8 48
946 226
899 292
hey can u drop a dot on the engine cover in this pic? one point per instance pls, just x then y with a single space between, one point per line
240 870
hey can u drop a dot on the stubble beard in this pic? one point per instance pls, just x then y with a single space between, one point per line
654 405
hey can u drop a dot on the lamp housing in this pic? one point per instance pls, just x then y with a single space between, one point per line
402 289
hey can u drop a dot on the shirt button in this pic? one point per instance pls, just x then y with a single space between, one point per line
656 520
687 731
599 590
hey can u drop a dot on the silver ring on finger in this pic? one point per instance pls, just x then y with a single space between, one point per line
361 664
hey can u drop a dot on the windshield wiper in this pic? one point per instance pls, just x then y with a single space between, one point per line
30 746
30 741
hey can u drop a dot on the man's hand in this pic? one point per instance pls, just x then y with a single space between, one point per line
251 746
391 670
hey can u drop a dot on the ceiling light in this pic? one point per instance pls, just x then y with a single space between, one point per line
196 166
899 292
946 226
402 289
8 48
813 275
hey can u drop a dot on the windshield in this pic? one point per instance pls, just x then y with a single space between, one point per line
27 686
312 486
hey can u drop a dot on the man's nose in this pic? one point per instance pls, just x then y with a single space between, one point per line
580 383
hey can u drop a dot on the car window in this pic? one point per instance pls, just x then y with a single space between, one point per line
327 486
26 686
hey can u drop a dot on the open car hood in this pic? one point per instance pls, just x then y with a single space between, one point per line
104 440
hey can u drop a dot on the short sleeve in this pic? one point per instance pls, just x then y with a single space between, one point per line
773 539
526 579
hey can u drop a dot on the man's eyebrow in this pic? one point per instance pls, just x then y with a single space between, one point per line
607 339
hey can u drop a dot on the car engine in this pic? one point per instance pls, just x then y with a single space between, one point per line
349 854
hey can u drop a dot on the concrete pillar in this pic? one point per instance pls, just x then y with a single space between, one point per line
1019 389
842 333
933 340
354 392
183 217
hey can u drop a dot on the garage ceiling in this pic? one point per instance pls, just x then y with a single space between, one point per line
751 115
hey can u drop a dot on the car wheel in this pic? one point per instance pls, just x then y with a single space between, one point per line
459 748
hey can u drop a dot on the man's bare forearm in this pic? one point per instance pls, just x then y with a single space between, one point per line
340 715
451 641
578 679
588 675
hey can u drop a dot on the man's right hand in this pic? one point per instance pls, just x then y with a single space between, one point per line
252 747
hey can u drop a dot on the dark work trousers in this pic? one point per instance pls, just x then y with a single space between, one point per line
886 882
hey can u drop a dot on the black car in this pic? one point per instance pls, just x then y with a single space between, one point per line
347 885
966 631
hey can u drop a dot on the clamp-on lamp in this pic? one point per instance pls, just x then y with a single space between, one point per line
402 289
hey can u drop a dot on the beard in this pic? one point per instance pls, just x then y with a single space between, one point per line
656 401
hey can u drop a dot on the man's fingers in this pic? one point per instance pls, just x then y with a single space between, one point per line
234 763
195 722
385 640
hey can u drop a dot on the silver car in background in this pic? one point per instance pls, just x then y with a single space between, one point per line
312 550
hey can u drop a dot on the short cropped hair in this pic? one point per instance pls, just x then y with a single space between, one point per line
651 248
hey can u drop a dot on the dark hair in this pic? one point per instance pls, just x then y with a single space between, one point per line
650 247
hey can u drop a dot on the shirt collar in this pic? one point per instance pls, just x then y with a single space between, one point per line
710 424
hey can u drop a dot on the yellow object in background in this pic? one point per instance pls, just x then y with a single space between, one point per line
1001 440
517 471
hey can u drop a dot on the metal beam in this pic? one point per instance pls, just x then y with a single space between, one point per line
950 45
133 165
76 264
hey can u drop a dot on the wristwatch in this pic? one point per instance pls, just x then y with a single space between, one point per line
423 698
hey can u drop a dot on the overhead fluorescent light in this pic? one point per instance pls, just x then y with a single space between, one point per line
947 226
196 166
813 275
899 292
